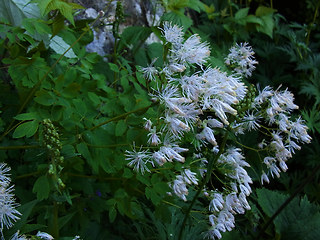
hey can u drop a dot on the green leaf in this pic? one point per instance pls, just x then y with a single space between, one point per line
27 116
27 129
25 211
45 98
263 11
42 188
153 196
31 227
127 173
241 13
113 67
267 25
197 5
58 45
112 214
66 9
178 19
80 107
298 220
121 128
94 98
16 10
65 219
82 148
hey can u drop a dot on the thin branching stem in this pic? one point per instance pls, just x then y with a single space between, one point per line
116 118
203 183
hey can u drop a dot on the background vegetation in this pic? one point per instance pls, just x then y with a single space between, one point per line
67 117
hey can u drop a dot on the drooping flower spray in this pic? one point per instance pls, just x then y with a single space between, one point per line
203 111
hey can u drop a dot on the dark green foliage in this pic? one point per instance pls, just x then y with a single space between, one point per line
298 220
82 186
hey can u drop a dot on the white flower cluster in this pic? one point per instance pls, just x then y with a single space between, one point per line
224 205
205 106
241 59
179 185
286 135
8 212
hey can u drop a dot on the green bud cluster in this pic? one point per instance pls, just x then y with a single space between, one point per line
119 12
246 102
51 140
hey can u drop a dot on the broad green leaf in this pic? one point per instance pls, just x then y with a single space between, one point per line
113 67
178 19
58 45
197 5
45 98
16 10
27 129
155 50
65 219
112 214
299 220
80 107
121 128
82 148
31 227
267 25
27 116
66 9
241 13
42 188
263 11
94 98
153 196
127 173
25 211
132 36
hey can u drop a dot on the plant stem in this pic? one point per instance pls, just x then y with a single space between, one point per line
313 21
203 183
19 147
283 206
55 220
120 117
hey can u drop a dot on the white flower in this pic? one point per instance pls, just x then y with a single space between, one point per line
16 236
299 131
138 160
207 133
250 121
153 140
148 124
160 158
170 153
264 178
214 123
274 170
8 212
179 187
192 51
263 95
216 204
44 236
150 71
189 177
191 86
242 59
176 126
172 33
